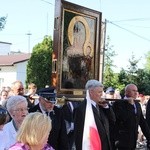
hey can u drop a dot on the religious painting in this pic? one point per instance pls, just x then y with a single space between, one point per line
80 46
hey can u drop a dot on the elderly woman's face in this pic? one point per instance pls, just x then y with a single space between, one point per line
19 112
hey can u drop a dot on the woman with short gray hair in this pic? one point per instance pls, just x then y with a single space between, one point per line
13 101
17 107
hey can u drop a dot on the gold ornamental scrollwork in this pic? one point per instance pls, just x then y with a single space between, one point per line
87 43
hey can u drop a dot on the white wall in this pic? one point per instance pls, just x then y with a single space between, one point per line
13 73
8 74
4 48
21 71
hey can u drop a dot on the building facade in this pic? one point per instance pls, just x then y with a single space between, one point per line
12 68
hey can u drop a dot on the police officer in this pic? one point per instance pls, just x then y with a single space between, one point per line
58 135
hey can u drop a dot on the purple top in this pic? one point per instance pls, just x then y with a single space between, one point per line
21 146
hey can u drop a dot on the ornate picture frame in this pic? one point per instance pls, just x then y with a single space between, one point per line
77 50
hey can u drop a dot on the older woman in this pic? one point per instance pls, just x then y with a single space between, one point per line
29 138
17 108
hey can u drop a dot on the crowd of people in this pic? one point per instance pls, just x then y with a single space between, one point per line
31 120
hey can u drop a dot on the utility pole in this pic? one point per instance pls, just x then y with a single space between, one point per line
102 50
47 24
104 47
29 34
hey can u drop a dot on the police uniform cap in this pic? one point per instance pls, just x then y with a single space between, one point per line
110 90
48 94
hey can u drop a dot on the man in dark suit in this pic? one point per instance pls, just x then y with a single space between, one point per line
128 116
68 110
148 113
58 135
103 116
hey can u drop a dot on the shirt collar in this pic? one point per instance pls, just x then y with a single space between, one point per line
93 102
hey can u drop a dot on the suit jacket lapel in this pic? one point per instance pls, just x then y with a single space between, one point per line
138 109
38 108
96 114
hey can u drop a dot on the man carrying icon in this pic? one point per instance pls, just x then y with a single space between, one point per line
58 135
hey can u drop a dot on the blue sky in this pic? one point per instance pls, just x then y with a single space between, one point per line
128 27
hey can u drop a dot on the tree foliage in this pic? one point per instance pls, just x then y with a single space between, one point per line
143 81
39 66
132 69
109 77
133 74
147 64
2 22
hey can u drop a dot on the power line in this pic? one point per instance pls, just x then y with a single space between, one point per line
12 34
135 26
129 31
47 2
134 19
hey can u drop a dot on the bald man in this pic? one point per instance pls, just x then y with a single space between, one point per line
128 116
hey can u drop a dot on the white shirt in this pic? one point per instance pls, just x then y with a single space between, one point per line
8 133
3 140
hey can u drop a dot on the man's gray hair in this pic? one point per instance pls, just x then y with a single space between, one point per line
93 84
13 101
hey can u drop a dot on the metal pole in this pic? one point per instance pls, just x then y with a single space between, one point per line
104 49
29 34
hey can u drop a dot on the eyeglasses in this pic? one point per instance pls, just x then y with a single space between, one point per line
20 89
3 111
21 109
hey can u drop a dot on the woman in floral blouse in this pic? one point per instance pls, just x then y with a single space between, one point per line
33 133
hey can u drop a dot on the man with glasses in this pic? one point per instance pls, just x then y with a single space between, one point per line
17 88
58 135
129 117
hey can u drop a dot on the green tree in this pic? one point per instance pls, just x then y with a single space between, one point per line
143 81
39 66
133 74
132 69
122 76
147 64
2 22
109 76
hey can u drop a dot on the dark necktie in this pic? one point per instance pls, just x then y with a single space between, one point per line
135 109
97 107
52 115
47 113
